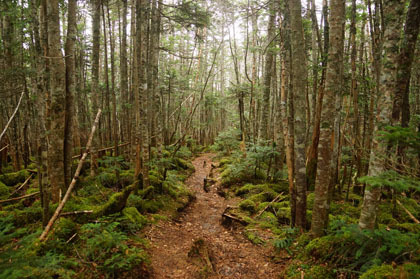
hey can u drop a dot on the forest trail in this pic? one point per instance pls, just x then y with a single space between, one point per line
231 255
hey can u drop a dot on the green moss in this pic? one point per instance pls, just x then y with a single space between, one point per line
13 178
183 164
267 196
225 161
384 271
310 200
268 220
4 191
318 272
254 238
134 216
147 193
126 178
116 202
249 189
247 205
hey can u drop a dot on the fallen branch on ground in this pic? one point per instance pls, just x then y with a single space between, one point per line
21 186
73 182
104 149
268 205
20 198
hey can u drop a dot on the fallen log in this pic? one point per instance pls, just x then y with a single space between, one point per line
103 149
20 198
73 182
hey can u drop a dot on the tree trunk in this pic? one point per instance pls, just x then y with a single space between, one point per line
299 78
96 33
57 81
332 90
70 90
393 11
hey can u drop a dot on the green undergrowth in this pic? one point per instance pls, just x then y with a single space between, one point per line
106 243
391 250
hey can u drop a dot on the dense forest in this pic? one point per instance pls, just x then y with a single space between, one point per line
209 139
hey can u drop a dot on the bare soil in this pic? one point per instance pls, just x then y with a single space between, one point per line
224 252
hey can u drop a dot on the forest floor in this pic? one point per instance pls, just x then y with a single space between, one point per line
197 245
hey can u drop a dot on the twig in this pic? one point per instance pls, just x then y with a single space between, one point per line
3 148
268 205
408 212
71 238
20 198
21 186
13 115
73 182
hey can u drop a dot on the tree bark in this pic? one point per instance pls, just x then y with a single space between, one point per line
57 81
299 79
393 11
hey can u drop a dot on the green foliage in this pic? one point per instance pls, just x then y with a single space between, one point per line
393 180
107 179
286 241
108 248
227 141
356 249
4 191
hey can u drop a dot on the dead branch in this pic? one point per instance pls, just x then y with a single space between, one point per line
408 212
73 182
3 148
268 205
21 186
20 198
13 115
103 149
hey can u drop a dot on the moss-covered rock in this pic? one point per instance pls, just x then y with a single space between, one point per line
147 193
4 191
13 178
134 216
248 205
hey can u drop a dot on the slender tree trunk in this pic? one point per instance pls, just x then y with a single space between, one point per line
70 90
269 59
96 33
332 90
393 11
299 79
57 83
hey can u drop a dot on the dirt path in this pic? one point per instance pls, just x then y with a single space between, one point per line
232 255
